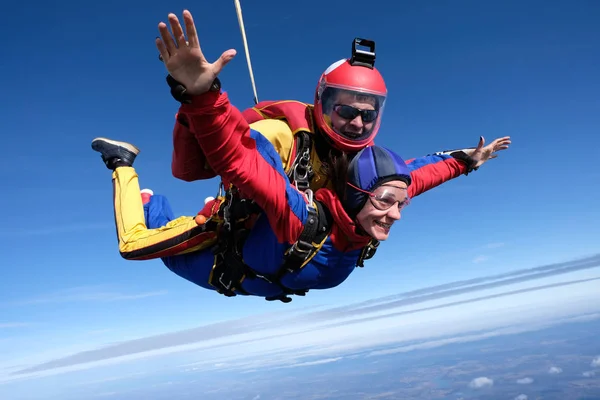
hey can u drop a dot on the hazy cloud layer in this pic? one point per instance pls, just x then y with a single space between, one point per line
466 286
4 325
55 230
276 328
84 293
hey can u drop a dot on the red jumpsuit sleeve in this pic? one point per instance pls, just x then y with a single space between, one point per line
188 162
433 170
246 159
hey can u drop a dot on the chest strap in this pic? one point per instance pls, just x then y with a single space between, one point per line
301 172
229 269
316 230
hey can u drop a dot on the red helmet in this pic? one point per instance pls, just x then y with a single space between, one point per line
348 81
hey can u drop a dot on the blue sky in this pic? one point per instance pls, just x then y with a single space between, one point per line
454 70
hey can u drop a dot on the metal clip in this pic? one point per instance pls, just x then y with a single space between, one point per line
309 196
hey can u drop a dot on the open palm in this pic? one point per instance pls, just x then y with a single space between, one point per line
184 59
482 153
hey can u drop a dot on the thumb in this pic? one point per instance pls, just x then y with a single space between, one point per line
224 60
481 143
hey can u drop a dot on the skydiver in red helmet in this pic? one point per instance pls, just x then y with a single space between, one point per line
344 118
300 240
313 140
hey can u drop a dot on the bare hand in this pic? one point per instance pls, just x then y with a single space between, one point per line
184 59
482 154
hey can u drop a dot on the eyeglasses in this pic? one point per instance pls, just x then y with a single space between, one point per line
349 112
385 196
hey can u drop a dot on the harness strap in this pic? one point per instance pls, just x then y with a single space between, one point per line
367 253
314 234
229 270
301 172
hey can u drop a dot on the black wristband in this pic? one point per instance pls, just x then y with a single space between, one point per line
461 155
179 92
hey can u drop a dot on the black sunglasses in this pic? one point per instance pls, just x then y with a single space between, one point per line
349 112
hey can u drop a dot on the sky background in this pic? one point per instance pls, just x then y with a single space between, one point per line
454 71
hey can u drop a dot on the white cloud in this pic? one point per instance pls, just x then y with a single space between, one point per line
589 374
555 370
99 331
524 381
481 382
458 339
480 259
521 397
13 325
109 379
595 362
86 293
318 362
54 230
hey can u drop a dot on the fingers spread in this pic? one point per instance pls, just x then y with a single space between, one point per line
167 39
190 29
177 30
162 49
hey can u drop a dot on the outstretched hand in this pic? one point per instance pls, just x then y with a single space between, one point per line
184 59
482 153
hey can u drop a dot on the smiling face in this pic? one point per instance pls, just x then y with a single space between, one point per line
382 209
352 126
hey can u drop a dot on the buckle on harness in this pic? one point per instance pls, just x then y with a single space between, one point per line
299 252
368 252
229 269
228 272
302 171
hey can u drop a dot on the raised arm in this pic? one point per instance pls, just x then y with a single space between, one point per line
241 156
188 162
433 170
245 158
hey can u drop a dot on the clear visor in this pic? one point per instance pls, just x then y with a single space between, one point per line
350 113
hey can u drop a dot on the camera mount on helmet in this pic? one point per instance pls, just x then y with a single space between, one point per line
362 57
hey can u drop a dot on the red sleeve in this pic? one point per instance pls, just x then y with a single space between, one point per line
188 162
248 160
433 170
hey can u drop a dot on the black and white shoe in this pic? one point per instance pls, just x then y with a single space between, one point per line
114 153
